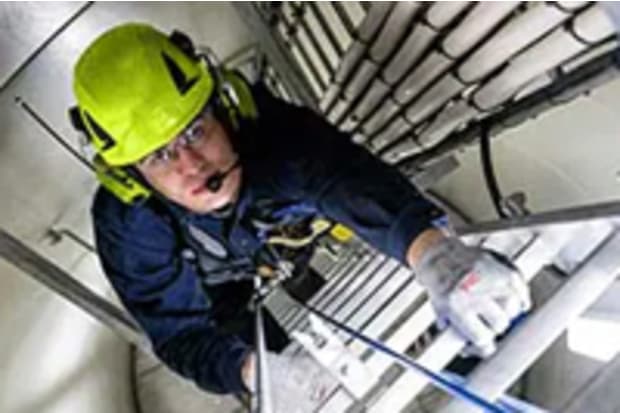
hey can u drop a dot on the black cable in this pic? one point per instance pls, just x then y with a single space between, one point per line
488 171
48 128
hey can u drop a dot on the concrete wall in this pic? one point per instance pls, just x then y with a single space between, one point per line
54 358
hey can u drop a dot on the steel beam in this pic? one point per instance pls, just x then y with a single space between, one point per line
545 220
57 280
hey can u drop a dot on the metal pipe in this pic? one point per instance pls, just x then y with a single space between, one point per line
345 18
417 110
523 347
292 31
543 220
299 11
278 56
401 41
365 35
455 14
585 78
53 277
318 14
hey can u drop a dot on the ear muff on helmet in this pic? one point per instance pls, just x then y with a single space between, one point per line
234 103
232 100
240 95
232 90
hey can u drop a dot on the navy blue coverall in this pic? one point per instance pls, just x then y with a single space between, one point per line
149 251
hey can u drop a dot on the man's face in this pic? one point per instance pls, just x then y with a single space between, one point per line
180 170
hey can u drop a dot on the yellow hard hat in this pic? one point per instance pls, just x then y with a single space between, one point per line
136 90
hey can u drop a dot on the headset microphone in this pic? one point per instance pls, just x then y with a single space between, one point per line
215 181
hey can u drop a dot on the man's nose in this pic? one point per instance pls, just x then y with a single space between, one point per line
188 161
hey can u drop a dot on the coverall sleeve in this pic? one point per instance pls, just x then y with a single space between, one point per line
347 183
162 292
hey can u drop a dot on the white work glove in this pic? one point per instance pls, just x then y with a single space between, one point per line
475 291
298 383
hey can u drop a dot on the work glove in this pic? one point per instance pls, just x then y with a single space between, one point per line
298 383
476 291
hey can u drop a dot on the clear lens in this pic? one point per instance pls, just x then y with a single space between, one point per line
193 134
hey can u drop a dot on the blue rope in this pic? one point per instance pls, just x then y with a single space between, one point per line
450 387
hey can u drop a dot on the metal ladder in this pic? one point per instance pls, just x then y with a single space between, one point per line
383 300
374 294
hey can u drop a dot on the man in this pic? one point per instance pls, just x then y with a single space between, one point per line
226 168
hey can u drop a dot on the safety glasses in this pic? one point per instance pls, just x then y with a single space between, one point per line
198 132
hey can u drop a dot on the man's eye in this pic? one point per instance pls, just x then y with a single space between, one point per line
161 155
158 158
196 134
